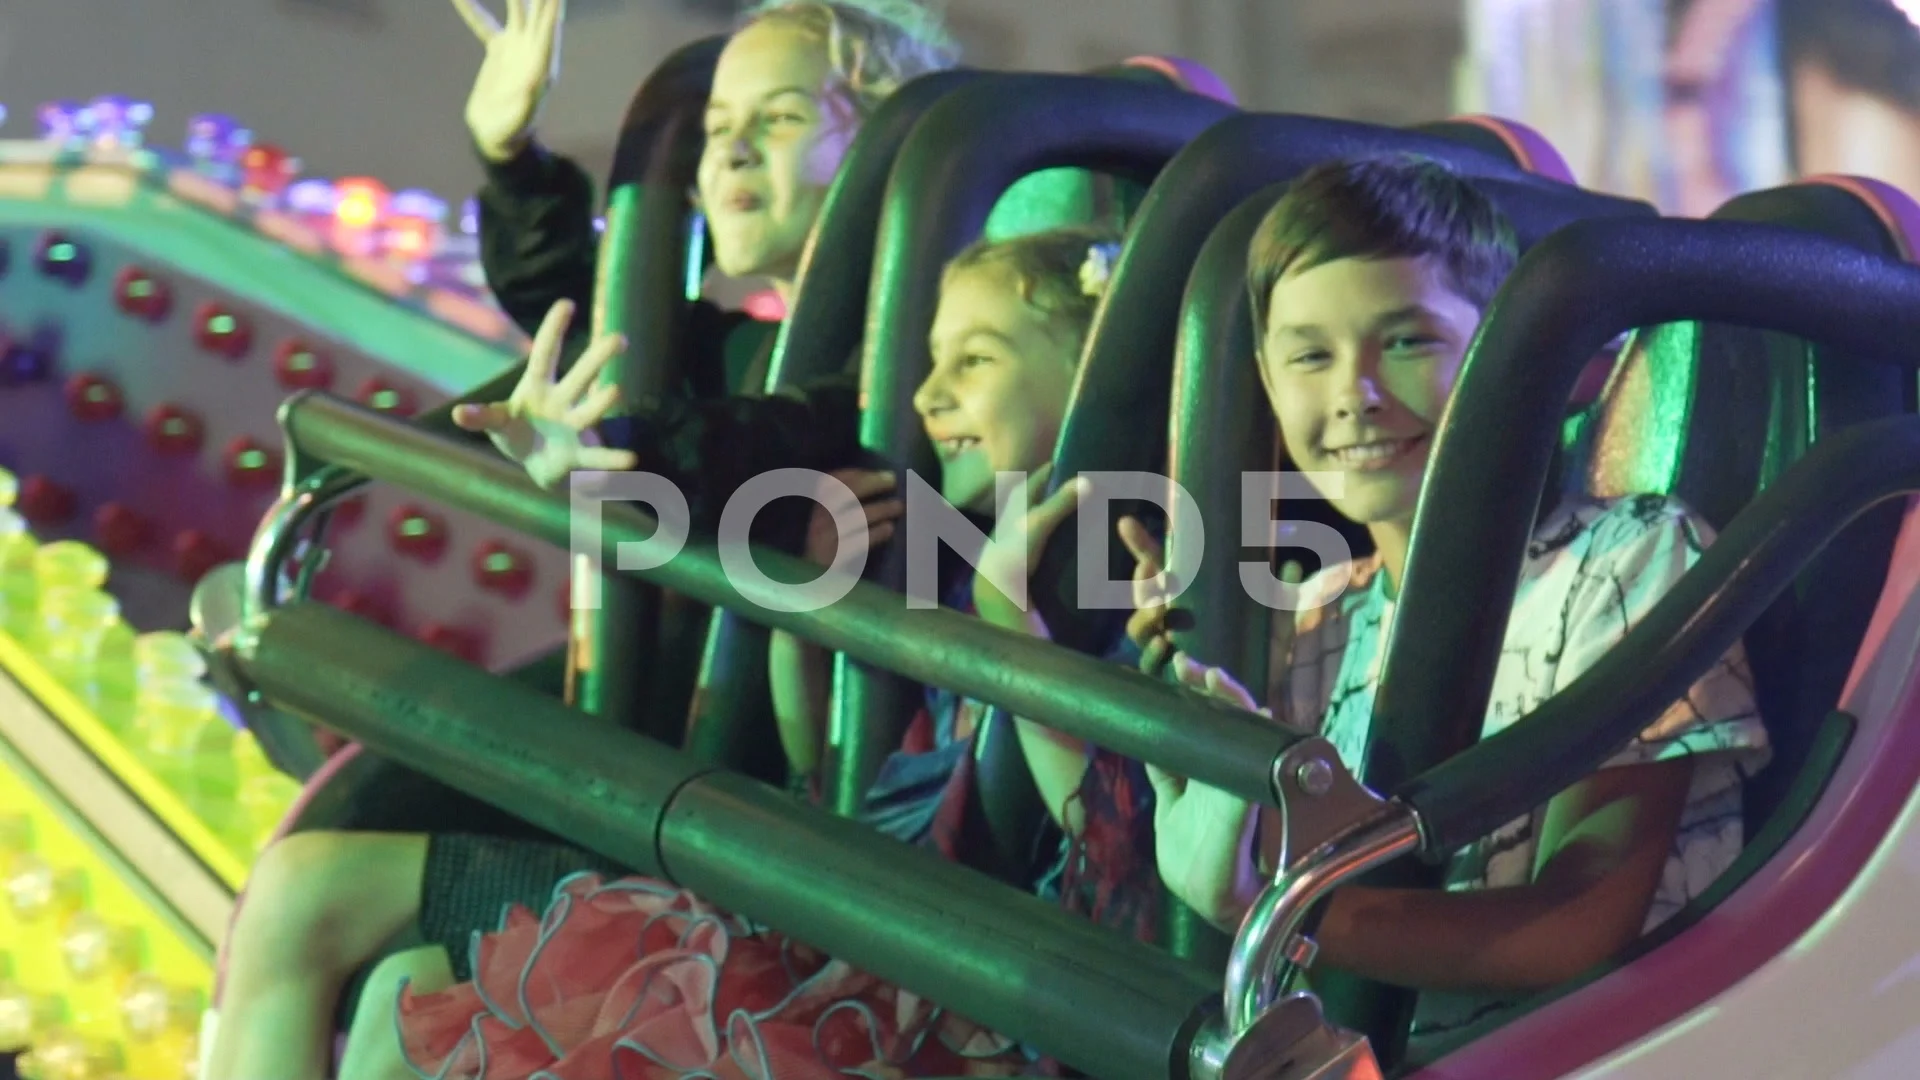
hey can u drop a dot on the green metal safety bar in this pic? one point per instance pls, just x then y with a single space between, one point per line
1024 967
1003 958
1111 706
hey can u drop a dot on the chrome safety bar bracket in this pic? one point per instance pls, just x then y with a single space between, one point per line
278 539
1320 798
1270 942
1290 1041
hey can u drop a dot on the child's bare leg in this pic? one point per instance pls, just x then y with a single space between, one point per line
318 906
373 1042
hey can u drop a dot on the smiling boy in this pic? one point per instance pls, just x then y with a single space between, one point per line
1369 280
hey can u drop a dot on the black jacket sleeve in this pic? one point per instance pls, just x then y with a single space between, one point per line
709 448
537 241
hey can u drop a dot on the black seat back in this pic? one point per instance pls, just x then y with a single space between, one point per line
1129 377
1688 414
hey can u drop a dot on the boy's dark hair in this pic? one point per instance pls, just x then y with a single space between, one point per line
1382 208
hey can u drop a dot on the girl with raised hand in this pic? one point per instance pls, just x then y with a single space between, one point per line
1006 340
789 92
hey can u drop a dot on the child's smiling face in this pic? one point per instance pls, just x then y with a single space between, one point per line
997 393
1359 359
776 131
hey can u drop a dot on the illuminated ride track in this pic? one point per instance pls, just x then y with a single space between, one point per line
153 316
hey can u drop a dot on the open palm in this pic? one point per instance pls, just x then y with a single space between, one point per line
854 511
1019 538
521 65
547 426
1200 831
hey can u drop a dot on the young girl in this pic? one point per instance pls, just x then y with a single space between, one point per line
789 92
566 992
1369 280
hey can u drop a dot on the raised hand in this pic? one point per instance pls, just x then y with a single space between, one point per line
547 426
1149 627
522 62
824 536
1201 833
1213 682
1019 539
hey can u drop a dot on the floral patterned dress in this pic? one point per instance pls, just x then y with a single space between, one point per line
637 979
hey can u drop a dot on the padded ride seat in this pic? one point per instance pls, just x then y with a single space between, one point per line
1712 414
1689 414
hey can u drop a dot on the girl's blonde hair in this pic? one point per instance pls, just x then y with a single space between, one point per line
874 46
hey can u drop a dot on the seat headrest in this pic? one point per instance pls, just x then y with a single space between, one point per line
1895 209
1195 78
1528 148
1656 429
1539 208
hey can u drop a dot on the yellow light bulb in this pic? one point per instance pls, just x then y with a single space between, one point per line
75 622
19 590
70 564
22 1017
94 948
114 653
36 890
175 1056
174 714
168 654
63 1055
248 758
9 488
151 1009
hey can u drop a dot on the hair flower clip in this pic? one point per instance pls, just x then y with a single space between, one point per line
1098 269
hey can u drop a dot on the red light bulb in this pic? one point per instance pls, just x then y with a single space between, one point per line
417 534
251 464
266 169
365 605
348 512
120 531
501 568
299 366
94 398
453 640
141 295
44 503
173 431
382 396
222 332
195 553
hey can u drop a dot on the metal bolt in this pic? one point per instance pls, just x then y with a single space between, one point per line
1315 777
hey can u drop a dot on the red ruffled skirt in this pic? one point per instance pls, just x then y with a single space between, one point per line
639 980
